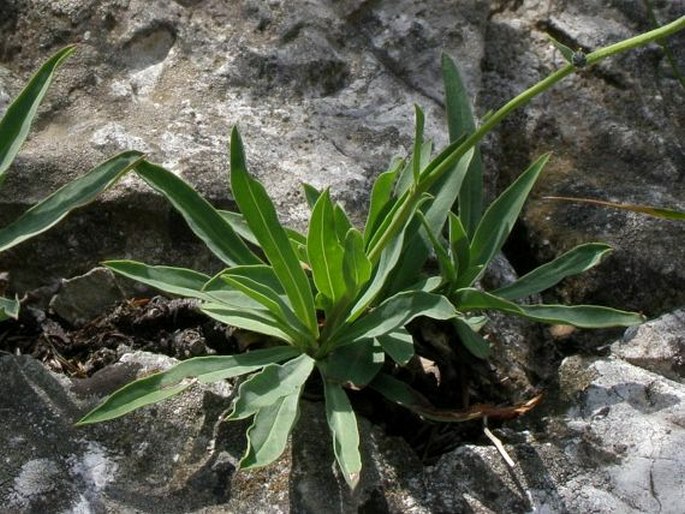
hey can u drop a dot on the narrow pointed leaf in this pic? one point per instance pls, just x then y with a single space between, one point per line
260 214
357 267
325 250
566 52
159 386
418 243
267 437
460 249
177 281
583 316
418 143
399 344
354 364
460 122
274 381
203 219
15 124
343 425
447 269
473 341
396 312
579 259
270 300
254 320
77 193
381 195
311 194
499 218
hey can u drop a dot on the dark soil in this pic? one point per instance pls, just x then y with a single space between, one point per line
449 377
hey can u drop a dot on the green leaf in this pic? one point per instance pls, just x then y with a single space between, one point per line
15 124
354 364
9 308
579 259
461 122
460 249
499 218
396 312
474 342
159 386
357 267
267 437
343 425
203 219
325 251
254 320
417 246
239 226
447 269
399 344
177 281
251 286
381 195
583 316
311 194
566 52
418 143
274 381
77 193
261 216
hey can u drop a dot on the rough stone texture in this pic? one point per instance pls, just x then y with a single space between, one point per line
322 91
610 439
83 298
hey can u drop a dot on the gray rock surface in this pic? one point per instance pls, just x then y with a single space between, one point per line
322 92
609 439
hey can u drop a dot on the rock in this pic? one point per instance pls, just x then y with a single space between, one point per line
657 346
608 440
80 299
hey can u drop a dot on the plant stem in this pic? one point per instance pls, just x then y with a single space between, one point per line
408 201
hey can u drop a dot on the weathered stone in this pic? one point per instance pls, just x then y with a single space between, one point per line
657 346
83 298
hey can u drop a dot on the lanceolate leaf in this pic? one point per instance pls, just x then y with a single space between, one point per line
261 216
474 342
418 244
325 250
579 259
380 196
271 383
77 193
255 320
356 265
460 122
270 300
15 124
203 219
584 316
499 218
396 312
418 143
177 281
343 425
267 437
159 386
399 344
354 364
